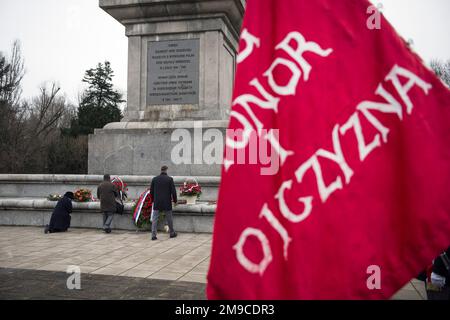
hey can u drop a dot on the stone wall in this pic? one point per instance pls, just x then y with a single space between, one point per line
23 201
23 212
40 186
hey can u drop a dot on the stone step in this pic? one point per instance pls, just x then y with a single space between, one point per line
197 218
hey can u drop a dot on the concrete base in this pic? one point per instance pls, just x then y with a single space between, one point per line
141 148
23 201
19 212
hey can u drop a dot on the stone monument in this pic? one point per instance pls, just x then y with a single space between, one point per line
181 67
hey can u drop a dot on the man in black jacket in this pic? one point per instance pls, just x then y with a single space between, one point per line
441 277
163 191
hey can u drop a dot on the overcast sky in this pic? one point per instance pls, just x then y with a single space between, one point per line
63 38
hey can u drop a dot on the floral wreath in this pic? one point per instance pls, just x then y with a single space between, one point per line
121 186
143 209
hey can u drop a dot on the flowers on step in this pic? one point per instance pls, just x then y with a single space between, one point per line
54 197
191 188
83 195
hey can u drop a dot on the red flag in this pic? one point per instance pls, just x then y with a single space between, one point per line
358 203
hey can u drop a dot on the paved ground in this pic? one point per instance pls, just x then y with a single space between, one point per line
131 254
121 265
20 284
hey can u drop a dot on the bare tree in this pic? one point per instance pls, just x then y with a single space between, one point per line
34 134
45 116
5 87
442 70
35 125
12 78
47 110
12 112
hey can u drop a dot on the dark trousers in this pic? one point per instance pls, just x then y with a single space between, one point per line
155 218
56 230
442 294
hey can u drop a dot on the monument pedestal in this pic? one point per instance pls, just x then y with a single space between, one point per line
141 148
181 67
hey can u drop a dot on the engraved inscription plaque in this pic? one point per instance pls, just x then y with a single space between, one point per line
173 72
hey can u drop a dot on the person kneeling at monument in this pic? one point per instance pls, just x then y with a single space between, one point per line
60 220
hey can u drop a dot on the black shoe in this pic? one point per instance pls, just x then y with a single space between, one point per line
108 230
154 238
173 235
47 229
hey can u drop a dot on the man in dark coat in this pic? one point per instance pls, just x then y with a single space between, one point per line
107 193
441 269
163 191
60 220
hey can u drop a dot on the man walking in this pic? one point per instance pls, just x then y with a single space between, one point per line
163 191
107 193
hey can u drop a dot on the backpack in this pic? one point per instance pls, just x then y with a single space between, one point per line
120 208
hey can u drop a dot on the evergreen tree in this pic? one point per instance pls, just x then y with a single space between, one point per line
99 103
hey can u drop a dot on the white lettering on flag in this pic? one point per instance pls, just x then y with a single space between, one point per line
404 89
244 261
275 223
284 208
393 106
364 149
290 88
250 43
337 156
302 47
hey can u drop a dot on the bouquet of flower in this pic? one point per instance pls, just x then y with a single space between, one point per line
83 195
121 186
54 197
191 188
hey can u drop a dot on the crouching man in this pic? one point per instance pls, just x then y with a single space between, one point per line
60 220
